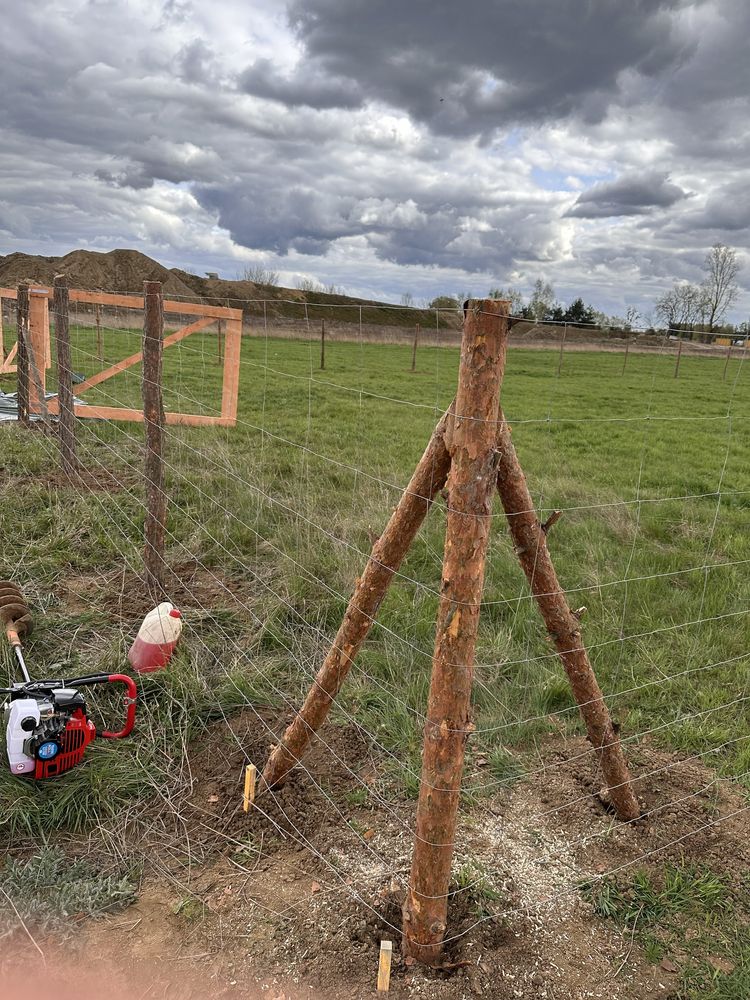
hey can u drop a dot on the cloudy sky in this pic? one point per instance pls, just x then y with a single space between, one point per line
387 146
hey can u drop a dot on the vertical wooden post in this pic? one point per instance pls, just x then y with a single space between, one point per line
231 379
562 348
22 354
2 343
387 554
99 345
471 487
414 349
38 352
726 363
66 425
625 359
153 413
322 344
564 628
679 355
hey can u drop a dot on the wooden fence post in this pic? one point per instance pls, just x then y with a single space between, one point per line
99 345
471 487
564 628
387 554
679 355
625 359
38 353
153 412
322 344
2 344
726 363
22 355
562 348
66 419
414 348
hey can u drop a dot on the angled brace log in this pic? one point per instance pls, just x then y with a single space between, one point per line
387 555
530 543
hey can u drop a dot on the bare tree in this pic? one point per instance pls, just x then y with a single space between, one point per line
720 284
509 294
407 299
542 299
260 274
681 307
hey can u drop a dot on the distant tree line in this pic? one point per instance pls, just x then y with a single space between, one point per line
687 307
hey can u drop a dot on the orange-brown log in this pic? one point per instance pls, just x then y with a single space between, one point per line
471 488
387 555
564 628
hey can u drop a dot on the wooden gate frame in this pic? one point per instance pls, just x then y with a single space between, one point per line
207 314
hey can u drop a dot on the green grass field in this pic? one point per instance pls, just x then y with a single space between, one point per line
653 474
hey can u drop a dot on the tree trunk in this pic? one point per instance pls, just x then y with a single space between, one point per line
471 487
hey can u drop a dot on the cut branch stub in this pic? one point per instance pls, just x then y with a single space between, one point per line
563 625
387 555
471 488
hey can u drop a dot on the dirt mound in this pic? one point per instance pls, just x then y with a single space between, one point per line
116 271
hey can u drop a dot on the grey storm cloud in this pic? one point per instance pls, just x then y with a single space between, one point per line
475 68
370 135
633 194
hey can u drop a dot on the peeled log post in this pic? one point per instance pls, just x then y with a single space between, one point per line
153 413
471 488
530 542
387 555
66 421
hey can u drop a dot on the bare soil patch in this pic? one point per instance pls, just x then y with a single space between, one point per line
293 898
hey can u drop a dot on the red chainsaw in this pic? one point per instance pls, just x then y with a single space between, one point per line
47 726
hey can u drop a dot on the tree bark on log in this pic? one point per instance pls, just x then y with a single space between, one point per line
471 488
387 556
22 354
66 418
530 542
153 413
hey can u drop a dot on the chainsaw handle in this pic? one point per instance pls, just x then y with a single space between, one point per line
130 702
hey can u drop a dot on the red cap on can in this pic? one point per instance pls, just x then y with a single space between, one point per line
174 613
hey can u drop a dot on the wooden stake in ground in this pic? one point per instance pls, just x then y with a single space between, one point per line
726 363
66 420
99 345
414 348
22 355
153 413
530 542
322 344
625 359
387 555
562 348
471 487
679 355
248 794
384 966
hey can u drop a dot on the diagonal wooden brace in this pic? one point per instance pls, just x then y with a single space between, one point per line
530 543
387 555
